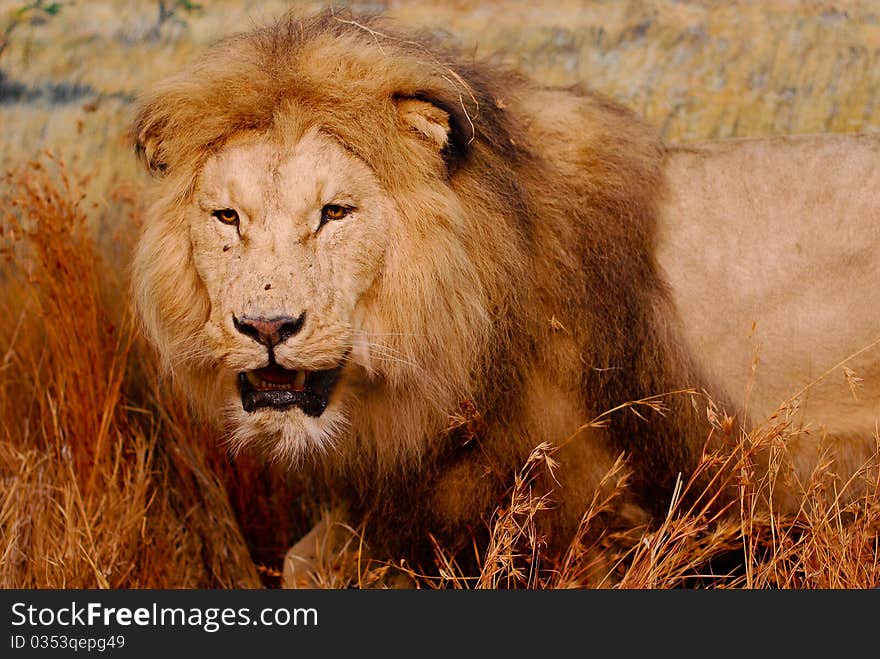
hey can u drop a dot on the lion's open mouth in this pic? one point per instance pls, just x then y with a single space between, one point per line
278 387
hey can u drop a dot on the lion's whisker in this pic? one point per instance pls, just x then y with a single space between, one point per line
386 354
365 333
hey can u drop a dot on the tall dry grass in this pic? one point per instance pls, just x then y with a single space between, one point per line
108 481
708 539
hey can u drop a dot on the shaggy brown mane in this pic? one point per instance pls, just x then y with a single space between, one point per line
549 196
325 65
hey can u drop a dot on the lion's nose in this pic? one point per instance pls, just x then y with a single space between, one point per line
269 331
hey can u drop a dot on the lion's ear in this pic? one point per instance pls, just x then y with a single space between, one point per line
426 119
435 124
146 134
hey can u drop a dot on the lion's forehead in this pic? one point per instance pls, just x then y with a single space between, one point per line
265 173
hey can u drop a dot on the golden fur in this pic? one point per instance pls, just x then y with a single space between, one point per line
502 257
772 251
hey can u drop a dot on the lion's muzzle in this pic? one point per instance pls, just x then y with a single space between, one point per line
275 386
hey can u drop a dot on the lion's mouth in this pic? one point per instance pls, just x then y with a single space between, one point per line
281 388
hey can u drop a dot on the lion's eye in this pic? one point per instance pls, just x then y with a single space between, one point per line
334 212
226 215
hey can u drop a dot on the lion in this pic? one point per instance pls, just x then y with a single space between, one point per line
355 234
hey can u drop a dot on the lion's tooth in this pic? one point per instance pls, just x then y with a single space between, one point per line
299 382
253 378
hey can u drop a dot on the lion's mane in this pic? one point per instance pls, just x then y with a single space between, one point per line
528 258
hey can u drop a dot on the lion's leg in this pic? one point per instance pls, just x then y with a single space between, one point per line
331 555
321 558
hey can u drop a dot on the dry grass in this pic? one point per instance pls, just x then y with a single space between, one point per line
833 542
108 481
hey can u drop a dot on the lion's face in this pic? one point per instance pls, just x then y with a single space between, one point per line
319 265
288 240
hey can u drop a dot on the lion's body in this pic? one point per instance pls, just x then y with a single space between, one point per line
500 251
772 251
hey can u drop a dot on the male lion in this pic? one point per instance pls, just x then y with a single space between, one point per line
353 235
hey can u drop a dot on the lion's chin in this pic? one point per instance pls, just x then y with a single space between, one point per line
286 435
279 388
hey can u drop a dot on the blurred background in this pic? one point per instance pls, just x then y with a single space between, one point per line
695 69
